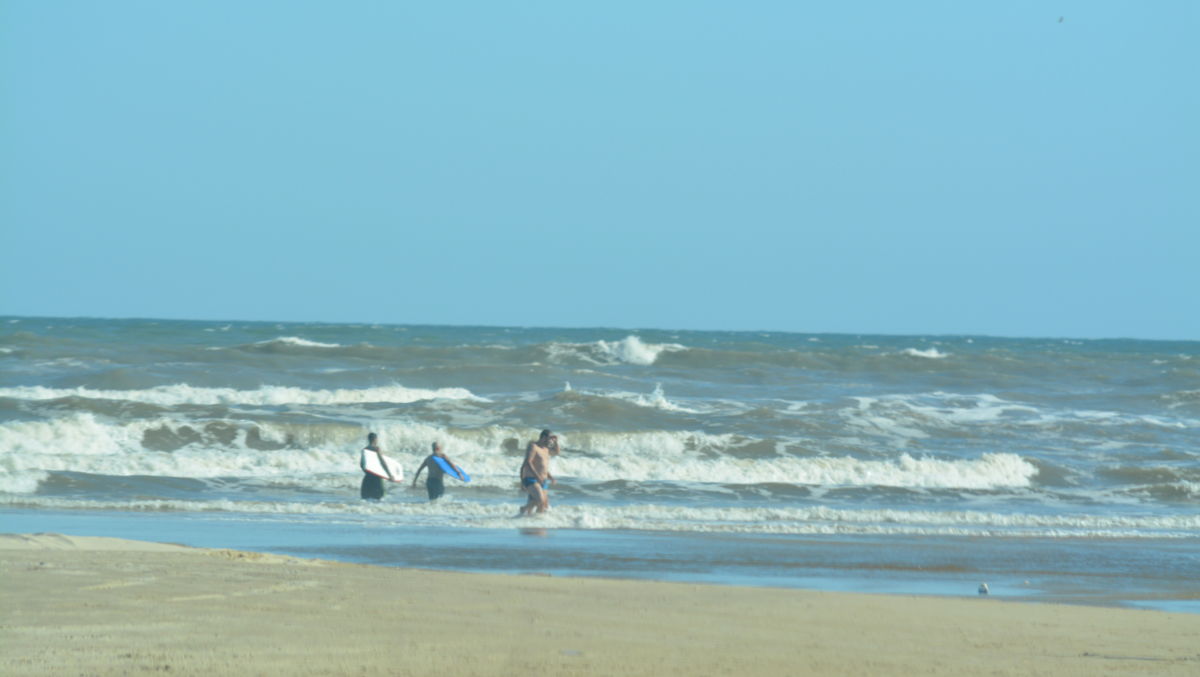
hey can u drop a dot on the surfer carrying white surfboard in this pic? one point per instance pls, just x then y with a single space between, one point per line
434 479
535 473
376 468
372 483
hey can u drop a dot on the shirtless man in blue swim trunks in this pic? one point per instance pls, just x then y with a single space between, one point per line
535 473
434 479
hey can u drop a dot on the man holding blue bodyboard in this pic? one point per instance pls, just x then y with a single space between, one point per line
438 465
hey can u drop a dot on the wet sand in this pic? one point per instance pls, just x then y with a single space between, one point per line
78 605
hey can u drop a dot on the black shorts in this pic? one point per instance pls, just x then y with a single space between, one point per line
372 487
435 486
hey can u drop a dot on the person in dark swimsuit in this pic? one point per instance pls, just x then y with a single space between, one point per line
535 473
372 485
434 480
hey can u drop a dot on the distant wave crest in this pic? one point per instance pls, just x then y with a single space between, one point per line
181 394
930 354
297 341
629 350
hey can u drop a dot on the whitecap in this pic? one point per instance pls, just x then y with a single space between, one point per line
182 394
297 341
629 350
932 353
655 400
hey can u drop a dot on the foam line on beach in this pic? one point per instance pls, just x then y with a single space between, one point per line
815 520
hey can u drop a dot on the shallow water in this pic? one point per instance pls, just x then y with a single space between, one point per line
1113 573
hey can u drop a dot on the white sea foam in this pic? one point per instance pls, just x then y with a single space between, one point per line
953 410
914 416
297 341
882 425
819 520
1191 488
84 443
932 353
1182 398
697 457
658 517
794 408
181 394
1110 418
62 363
672 457
13 481
654 400
629 350
632 350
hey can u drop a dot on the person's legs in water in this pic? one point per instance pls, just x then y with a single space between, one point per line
537 497
435 487
372 487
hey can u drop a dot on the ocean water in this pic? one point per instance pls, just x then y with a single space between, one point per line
1050 468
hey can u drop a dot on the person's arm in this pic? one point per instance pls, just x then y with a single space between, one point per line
418 472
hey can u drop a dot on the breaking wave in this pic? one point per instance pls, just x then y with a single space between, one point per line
247 449
629 350
181 394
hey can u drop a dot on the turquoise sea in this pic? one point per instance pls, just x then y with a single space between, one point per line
1052 469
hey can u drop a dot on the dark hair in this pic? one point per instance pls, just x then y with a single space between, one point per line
546 433
371 437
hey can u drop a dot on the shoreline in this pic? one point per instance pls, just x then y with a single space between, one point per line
112 606
1105 573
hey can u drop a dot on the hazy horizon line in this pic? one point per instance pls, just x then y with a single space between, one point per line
598 328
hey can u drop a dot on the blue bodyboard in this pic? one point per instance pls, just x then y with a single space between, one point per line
449 469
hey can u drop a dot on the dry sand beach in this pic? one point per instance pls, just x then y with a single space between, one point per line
98 606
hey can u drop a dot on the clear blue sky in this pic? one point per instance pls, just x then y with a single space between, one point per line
884 167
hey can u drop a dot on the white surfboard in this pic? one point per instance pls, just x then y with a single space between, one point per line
384 466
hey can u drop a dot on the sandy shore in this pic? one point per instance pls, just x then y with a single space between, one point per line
74 605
